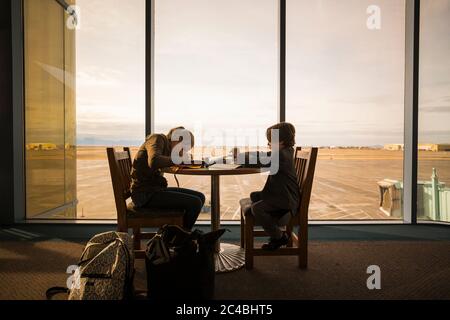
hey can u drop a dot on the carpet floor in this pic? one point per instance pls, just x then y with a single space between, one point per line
337 270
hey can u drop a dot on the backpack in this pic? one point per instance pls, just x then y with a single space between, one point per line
181 264
105 270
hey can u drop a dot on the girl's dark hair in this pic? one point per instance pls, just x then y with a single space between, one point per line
286 133
172 131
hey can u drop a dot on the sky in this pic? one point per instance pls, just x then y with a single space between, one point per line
216 71
434 120
110 72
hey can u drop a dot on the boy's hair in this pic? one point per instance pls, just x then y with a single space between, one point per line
286 133
184 130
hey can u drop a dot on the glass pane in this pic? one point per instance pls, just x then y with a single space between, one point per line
85 90
110 63
48 95
434 112
345 88
216 73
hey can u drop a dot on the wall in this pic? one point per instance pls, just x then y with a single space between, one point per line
6 117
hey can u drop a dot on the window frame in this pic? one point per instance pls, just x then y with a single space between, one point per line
411 110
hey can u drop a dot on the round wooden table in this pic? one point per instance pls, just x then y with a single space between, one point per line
229 257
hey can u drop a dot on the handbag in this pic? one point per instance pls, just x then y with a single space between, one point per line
180 265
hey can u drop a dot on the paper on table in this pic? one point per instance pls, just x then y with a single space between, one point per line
225 166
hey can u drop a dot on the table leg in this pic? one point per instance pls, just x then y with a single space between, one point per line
229 257
215 206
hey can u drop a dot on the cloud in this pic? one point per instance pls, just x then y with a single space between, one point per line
97 78
100 132
436 109
434 136
346 81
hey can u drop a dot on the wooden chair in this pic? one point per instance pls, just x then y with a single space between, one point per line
127 216
305 164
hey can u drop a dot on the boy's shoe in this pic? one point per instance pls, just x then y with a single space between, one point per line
275 244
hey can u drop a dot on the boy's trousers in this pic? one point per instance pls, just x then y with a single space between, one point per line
269 217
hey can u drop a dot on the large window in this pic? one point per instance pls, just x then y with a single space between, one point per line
216 73
345 94
110 95
216 68
434 112
85 90
49 111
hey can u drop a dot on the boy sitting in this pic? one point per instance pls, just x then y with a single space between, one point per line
280 198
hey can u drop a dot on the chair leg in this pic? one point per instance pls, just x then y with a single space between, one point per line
137 238
302 249
242 230
249 225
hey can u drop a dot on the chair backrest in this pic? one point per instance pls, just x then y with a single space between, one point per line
305 166
120 168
